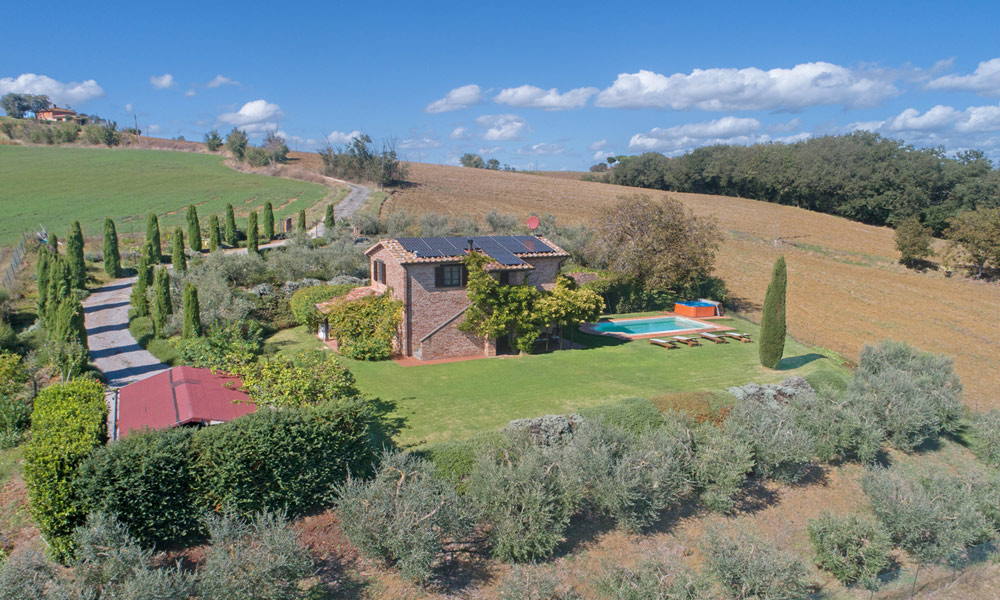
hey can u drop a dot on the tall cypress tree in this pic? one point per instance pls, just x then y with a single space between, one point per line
230 226
112 256
43 266
194 229
328 220
74 254
252 235
139 300
54 244
153 237
214 238
772 322
145 268
160 308
269 221
302 222
192 316
177 256
60 287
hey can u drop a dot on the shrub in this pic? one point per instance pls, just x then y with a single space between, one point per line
750 567
454 461
632 414
913 241
915 396
236 141
111 255
547 430
404 515
932 517
261 558
984 433
15 412
312 377
721 464
627 477
852 548
533 582
365 328
287 459
26 574
223 347
652 581
144 482
68 421
213 141
257 156
771 343
520 495
781 449
303 303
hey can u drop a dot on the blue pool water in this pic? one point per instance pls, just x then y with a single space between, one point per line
692 303
650 325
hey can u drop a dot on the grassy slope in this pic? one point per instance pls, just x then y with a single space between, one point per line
455 400
52 186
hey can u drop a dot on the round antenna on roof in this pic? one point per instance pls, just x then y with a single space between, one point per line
533 223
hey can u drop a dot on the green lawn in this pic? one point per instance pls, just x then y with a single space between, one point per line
53 186
456 400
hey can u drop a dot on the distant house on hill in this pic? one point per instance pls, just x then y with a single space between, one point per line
181 396
56 114
428 276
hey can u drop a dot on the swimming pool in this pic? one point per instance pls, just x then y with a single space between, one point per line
647 326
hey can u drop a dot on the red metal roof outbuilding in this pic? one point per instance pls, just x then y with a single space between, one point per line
181 396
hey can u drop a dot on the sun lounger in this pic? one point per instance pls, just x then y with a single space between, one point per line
690 341
718 339
669 345
742 337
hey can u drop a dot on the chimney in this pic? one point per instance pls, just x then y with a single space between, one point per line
471 249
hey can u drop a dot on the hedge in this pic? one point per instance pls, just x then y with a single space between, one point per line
68 422
303 302
288 459
144 482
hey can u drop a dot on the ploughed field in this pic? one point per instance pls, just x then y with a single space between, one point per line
53 186
845 288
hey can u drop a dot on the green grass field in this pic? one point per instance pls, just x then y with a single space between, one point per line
456 400
53 186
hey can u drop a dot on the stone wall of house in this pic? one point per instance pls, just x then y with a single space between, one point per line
430 308
395 279
546 269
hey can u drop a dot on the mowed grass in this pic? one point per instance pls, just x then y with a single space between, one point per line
451 401
53 186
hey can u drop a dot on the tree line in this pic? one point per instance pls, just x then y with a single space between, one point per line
861 176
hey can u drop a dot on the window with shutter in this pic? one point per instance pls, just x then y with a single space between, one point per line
447 276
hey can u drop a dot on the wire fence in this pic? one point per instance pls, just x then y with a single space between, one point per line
16 260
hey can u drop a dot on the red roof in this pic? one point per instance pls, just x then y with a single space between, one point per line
181 396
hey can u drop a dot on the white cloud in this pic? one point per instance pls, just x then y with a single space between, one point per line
542 149
220 80
807 84
530 96
598 145
503 127
980 118
190 93
673 140
162 82
57 91
129 107
785 127
339 137
419 143
984 80
153 129
488 150
256 117
456 99
602 155
460 133
910 119
954 129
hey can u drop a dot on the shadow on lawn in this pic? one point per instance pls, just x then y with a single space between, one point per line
790 363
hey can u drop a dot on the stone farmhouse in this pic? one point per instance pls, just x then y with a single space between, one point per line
428 276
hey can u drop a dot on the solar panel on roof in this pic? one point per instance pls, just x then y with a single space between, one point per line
506 258
533 244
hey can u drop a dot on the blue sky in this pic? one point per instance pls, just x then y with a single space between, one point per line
534 84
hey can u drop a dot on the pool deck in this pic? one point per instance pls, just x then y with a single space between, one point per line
589 327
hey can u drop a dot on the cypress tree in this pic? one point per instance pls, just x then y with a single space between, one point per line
68 326
328 220
138 300
160 308
43 266
192 316
302 222
230 226
145 268
214 239
177 256
269 221
772 322
54 244
74 254
60 287
252 235
153 237
194 229
112 257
